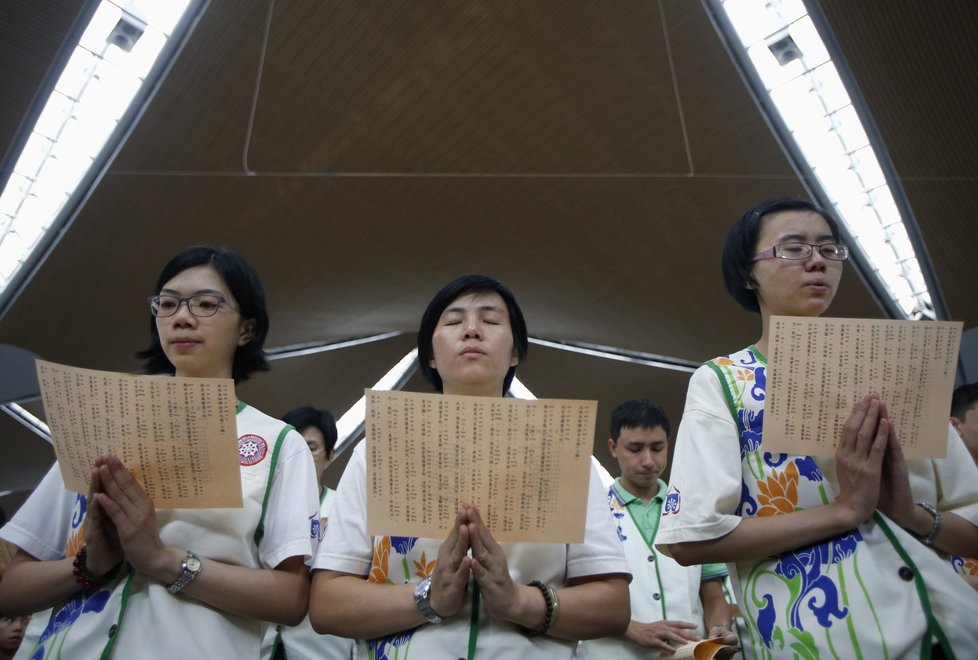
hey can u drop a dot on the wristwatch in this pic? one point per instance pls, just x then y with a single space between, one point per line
189 568
421 592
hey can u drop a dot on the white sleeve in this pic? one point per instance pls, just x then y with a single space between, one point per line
292 515
347 548
40 527
601 553
956 479
706 479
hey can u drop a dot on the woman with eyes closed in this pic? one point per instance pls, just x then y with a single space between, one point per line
830 557
467 595
128 580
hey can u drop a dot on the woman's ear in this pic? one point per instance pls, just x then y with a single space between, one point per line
246 332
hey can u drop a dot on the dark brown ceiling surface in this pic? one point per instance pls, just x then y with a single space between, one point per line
591 155
31 34
917 67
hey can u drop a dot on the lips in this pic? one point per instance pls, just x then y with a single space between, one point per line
472 351
184 341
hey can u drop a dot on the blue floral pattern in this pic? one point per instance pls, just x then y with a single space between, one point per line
797 597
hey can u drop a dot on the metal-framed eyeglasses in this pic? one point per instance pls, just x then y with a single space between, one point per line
794 250
201 305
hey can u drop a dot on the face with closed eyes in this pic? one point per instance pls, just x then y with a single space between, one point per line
789 287
472 345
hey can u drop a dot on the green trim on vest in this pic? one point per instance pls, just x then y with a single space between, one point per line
474 622
260 530
727 394
107 651
933 627
241 405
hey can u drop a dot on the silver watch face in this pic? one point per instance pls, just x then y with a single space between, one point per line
193 563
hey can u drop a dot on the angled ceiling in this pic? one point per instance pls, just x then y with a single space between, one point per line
589 154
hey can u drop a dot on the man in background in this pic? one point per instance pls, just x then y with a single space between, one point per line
671 604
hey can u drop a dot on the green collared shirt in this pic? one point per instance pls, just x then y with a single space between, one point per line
647 516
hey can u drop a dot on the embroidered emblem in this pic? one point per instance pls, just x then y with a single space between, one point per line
251 449
673 501
314 526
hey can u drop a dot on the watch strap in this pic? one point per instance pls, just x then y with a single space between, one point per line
189 568
421 600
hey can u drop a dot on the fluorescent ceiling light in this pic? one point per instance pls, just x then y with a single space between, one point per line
795 69
102 78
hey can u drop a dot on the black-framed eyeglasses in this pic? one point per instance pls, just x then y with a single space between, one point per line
200 305
793 250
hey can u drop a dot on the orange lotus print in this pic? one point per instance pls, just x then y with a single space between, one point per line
971 566
745 375
424 568
382 553
778 493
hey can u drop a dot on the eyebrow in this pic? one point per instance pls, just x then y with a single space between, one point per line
802 237
481 308
195 293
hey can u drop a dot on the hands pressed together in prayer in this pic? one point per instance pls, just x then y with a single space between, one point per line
503 598
121 522
871 468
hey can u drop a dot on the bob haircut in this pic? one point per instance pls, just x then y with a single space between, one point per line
449 293
243 283
303 417
741 246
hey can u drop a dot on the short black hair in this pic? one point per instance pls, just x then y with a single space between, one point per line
243 283
638 414
450 292
303 417
741 246
963 399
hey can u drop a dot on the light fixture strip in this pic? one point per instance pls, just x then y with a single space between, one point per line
92 98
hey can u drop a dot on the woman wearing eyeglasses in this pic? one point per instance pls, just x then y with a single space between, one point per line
132 581
830 557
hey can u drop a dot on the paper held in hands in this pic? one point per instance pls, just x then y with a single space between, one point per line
705 649
178 436
525 464
819 367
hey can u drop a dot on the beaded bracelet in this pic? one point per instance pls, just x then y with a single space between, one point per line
550 598
83 576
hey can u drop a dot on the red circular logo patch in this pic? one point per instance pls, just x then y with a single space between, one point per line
251 449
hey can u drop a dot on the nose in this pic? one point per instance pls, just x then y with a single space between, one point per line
815 260
473 329
183 315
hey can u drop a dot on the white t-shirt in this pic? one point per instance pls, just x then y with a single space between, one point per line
347 548
41 528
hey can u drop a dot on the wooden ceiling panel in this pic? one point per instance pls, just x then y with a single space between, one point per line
198 121
917 66
727 134
498 87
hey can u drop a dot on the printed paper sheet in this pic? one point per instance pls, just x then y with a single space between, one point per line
176 435
819 367
525 464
